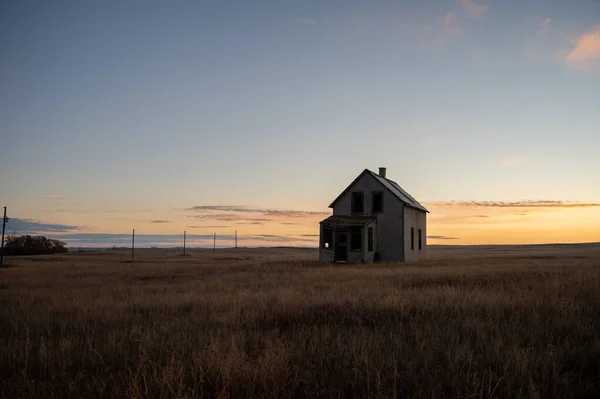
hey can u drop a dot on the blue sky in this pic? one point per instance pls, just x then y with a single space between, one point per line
115 114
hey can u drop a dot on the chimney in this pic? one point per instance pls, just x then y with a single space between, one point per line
382 172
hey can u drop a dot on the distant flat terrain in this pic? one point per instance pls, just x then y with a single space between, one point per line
250 255
471 321
482 251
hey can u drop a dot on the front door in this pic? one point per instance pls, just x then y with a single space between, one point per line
341 247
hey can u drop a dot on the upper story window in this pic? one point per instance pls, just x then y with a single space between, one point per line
358 202
377 204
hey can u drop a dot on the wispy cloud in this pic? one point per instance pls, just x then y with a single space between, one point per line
54 197
248 209
450 28
207 227
271 238
76 210
442 238
459 216
473 9
295 214
515 204
159 221
248 215
229 217
243 215
444 29
426 28
561 43
587 50
19 226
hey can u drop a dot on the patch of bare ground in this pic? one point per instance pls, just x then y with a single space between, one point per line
277 323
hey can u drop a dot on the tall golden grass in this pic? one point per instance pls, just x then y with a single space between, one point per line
274 323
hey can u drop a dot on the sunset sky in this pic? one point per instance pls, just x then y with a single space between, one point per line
218 116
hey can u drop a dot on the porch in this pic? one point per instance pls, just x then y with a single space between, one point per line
348 239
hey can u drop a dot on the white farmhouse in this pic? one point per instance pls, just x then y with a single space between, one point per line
374 219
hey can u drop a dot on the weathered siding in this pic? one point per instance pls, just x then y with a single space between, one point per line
389 229
354 256
389 223
414 218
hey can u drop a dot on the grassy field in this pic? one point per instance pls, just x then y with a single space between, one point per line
470 322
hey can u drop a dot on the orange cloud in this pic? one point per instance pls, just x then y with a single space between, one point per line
587 49
248 209
247 215
473 10
451 24
441 238
450 27
208 227
513 204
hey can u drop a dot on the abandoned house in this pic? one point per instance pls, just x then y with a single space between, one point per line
374 219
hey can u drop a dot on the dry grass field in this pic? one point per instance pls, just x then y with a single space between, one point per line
470 322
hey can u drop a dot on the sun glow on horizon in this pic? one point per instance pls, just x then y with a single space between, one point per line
449 223
522 224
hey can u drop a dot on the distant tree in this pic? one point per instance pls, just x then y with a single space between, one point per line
33 245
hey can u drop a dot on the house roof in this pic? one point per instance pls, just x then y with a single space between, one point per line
347 221
391 186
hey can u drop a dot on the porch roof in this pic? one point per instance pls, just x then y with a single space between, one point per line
348 220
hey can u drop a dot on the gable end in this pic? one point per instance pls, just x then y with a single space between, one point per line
386 184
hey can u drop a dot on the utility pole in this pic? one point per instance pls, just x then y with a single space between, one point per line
215 242
2 246
132 244
184 243
236 238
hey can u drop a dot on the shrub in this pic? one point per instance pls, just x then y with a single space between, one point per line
33 245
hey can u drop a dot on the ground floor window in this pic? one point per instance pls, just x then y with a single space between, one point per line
370 239
327 238
412 238
420 240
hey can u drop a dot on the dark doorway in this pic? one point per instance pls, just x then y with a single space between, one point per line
341 247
